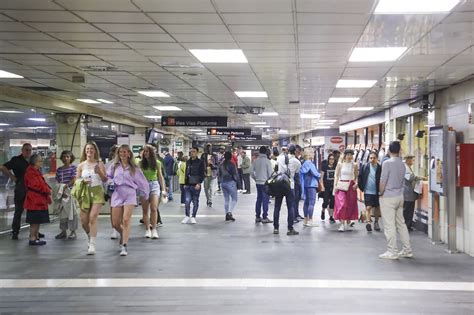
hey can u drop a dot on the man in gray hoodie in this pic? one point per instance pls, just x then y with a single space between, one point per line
261 170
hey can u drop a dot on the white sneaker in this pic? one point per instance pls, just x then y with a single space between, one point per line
341 228
91 249
186 220
115 235
193 220
154 234
183 205
388 255
405 254
123 252
312 224
148 234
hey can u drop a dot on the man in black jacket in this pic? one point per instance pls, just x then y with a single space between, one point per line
192 186
369 180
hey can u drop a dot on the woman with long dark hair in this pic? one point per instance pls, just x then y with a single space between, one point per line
66 176
327 184
228 177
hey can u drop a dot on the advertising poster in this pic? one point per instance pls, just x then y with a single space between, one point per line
436 161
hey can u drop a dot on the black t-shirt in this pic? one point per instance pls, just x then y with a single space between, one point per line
19 165
329 172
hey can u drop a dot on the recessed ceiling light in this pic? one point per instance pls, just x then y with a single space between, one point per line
152 117
151 93
261 94
167 108
355 83
219 55
376 54
2 130
88 101
327 121
323 127
343 99
4 124
354 109
414 6
37 119
10 111
257 123
195 130
9 75
310 116
268 114
282 131
104 101
263 126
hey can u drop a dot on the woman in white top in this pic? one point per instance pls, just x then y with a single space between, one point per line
345 191
92 171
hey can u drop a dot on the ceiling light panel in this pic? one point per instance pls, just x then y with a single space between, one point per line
168 108
254 94
104 101
153 93
415 6
9 75
343 100
268 114
88 101
152 117
257 123
310 116
355 83
37 119
376 54
219 55
10 111
360 109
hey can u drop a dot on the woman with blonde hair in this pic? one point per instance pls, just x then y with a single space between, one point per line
91 176
151 168
127 178
345 187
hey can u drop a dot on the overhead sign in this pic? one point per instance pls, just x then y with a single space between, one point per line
194 121
247 138
226 132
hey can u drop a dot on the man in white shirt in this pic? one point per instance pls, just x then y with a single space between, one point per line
293 166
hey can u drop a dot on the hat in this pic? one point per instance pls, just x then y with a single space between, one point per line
222 147
409 157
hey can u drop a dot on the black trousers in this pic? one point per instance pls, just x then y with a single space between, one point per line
239 182
297 200
408 212
19 199
246 178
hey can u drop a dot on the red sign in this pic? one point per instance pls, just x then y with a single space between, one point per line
336 140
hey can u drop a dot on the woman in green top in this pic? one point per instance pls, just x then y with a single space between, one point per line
151 168
182 177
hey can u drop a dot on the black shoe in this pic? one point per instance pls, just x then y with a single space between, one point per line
36 243
331 219
246 193
267 220
141 221
61 235
258 220
323 215
14 236
229 217
209 204
292 232
376 226
299 217
276 231
352 224
40 235
368 227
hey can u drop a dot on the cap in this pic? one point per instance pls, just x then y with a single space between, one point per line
222 147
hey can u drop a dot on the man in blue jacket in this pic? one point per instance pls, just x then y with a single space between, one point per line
368 181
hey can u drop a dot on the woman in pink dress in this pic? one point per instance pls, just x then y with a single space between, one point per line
345 191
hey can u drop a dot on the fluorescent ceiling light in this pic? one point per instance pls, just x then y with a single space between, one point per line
2 130
201 133
152 117
310 116
260 94
323 121
263 126
37 119
88 101
376 54
362 109
195 130
268 114
282 131
323 127
151 93
355 83
10 111
9 75
4 124
219 55
343 99
415 6
167 108
257 123
104 101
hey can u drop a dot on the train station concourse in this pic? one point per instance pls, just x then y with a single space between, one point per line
237 156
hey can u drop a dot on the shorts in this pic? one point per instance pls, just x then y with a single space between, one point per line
371 200
37 216
97 196
123 196
154 187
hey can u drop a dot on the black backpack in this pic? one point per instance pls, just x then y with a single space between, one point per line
278 184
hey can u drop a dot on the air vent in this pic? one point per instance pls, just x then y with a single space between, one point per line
294 102
100 68
191 74
41 88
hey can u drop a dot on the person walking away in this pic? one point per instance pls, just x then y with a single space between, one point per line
89 191
309 177
211 167
38 196
261 170
65 178
245 166
192 185
369 182
228 178
169 167
287 163
328 171
151 169
391 201
345 187
127 179
220 160
409 194
298 187
239 169
18 164
181 177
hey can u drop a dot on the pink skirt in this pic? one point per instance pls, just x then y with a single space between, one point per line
345 204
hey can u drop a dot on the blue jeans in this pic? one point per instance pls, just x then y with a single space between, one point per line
262 198
170 187
310 200
297 200
290 203
192 194
183 194
230 195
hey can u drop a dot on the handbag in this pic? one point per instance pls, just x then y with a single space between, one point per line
279 183
343 185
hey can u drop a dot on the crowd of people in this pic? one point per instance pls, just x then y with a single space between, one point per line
126 181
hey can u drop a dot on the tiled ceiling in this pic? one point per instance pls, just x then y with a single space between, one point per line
297 51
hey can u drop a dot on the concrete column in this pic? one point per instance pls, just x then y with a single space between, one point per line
70 132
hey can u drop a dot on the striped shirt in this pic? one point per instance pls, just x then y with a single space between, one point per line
65 174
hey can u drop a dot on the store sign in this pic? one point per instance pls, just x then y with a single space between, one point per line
178 143
247 138
34 143
226 132
336 140
194 121
136 148
437 163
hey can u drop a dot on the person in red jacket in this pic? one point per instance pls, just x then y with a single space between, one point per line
38 196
